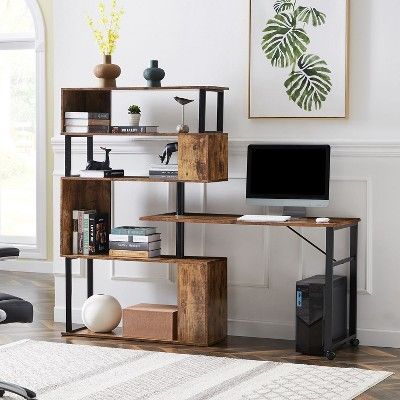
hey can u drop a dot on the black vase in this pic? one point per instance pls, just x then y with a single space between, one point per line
154 75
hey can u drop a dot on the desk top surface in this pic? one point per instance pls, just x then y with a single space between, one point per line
232 219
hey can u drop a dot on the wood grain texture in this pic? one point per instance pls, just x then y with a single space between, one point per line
137 179
146 88
84 100
75 195
202 303
203 157
231 219
39 290
162 259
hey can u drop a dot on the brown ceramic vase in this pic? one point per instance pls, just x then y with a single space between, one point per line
107 73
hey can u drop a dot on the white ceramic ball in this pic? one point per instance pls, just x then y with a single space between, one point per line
101 313
3 315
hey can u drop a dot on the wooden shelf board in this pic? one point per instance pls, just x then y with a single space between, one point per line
83 134
231 219
193 87
162 259
137 179
115 335
158 134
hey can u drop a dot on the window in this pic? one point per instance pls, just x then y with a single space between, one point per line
22 128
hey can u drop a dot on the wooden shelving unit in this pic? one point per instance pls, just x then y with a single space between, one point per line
202 158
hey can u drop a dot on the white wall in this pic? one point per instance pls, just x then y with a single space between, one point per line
206 43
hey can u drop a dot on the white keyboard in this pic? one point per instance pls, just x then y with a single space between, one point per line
264 218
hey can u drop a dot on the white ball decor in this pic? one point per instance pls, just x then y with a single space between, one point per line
101 313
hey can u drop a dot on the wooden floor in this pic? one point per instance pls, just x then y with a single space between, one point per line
39 289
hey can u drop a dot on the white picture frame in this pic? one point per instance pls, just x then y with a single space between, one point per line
298 56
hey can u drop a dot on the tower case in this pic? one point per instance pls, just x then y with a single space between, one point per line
309 313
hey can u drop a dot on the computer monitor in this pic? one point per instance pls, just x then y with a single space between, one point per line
288 175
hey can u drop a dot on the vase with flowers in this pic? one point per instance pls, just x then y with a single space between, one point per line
106 33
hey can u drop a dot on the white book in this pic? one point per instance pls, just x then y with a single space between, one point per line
101 173
163 167
86 122
134 238
87 115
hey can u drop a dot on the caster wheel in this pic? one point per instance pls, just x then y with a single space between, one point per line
354 342
330 355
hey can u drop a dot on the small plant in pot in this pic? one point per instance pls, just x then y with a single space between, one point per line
134 112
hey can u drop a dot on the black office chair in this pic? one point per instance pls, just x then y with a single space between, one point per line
14 309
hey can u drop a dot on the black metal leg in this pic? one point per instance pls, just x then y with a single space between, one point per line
67 155
89 278
180 227
68 295
353 281
220 112
328 300
89 148
202 111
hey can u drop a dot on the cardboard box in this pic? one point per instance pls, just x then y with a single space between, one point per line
150 321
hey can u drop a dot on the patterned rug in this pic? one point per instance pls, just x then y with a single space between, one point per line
74 372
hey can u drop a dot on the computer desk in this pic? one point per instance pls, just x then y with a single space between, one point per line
330 227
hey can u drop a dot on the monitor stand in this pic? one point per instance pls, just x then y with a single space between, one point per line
295 212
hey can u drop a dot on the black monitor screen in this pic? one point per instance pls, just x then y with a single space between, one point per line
288 172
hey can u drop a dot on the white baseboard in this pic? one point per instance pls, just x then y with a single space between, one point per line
59 315
40 267
262 329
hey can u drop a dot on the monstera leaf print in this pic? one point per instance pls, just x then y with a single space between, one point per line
283 43
283 5
309 86
310 14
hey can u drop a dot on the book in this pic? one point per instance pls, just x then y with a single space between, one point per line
101 173
134 254
86 122
133 230
87 115
163 167
98 236
88 129
159 176
75 240
134 238
135 246
163 173
134 129
85 246
77 237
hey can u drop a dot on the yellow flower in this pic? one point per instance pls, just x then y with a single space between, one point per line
106 29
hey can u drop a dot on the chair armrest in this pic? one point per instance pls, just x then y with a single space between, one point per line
7 252
3 315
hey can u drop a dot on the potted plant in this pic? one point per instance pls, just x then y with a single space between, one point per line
106 33
134 112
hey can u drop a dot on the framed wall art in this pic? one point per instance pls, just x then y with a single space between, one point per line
298 59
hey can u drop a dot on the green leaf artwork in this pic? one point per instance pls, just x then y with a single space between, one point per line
305 14
284 44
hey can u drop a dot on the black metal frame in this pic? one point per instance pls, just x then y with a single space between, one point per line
330 263
180 200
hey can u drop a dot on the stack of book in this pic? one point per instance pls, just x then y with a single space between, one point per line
135 129
163 171
134 242
87 122
89 234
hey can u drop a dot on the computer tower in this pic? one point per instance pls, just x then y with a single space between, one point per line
309 313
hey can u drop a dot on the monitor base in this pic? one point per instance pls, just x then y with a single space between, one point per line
295 212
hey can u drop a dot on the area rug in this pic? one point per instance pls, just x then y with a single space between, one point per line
75 372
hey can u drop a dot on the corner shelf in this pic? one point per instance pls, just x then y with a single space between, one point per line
202 158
